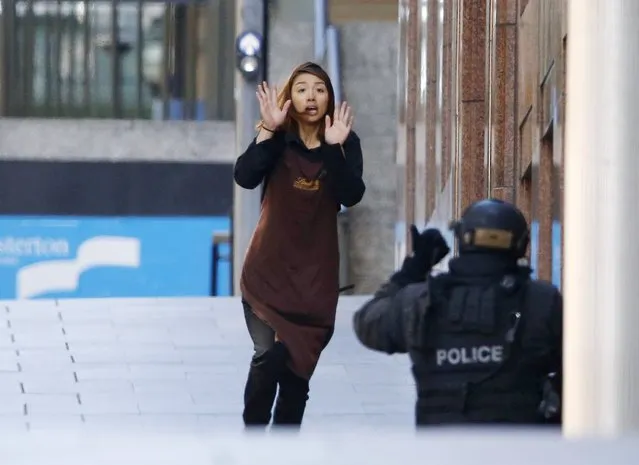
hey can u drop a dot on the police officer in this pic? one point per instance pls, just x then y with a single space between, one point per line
484 337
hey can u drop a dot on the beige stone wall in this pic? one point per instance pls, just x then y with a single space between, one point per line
117 140
369 76
346 11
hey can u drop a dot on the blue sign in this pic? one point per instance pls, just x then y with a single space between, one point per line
556 251
65 257
534 248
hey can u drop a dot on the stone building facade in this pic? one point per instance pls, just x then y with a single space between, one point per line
481 113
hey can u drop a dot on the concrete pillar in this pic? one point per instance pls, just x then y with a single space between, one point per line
246 203
601 346
3 66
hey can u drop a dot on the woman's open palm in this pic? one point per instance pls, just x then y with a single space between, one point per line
272 115
338 130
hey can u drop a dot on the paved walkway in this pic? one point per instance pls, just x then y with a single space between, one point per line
172 364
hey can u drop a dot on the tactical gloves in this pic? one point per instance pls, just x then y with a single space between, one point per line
429 248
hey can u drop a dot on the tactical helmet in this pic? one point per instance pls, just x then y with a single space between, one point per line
492 225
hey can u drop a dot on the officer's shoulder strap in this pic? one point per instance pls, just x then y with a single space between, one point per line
417 318
539 295
535 295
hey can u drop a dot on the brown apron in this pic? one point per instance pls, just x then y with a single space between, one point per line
291 270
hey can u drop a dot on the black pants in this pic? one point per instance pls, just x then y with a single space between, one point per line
269 369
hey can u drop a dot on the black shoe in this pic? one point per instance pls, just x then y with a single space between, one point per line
261 385
259 395
291 400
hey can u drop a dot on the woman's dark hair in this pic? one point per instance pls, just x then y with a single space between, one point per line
290 123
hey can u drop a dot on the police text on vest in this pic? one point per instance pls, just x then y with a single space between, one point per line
470 355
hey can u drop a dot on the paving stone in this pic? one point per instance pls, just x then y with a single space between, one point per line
52 338
104 386
167 403
13 422
337 421
161 385
80 311
89 372
113 422
390 374
390 406
10 366
224 422
157 371
43 355
38 404
18 325
12 404
198 339
31 308
227 370
45 360
47 422
171 423
215 355
43 382
320 404
96 354
152 355
144 335
103 332
109 403
9 383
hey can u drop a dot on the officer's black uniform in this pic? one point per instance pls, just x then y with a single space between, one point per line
483 338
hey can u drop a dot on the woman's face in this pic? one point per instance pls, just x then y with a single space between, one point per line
309 96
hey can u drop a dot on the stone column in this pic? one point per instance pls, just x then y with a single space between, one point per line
503 121
601 347
246 203
472 101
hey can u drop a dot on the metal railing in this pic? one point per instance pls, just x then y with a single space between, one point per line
222 253
116 59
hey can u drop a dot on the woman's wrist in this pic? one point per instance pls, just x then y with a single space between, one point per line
264 134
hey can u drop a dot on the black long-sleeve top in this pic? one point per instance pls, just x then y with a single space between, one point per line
343 164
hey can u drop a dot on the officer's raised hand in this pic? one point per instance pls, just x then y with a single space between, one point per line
429 248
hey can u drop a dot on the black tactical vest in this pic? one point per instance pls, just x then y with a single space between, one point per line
468 362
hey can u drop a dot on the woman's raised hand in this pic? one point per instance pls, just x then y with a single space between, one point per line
272 115
337 131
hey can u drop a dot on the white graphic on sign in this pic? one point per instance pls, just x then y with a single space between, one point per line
33 246
64 275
